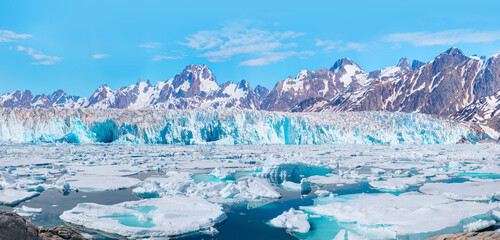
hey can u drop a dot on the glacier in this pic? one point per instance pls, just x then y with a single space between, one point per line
227 127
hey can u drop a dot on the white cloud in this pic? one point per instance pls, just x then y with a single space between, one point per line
448 37
150 45
100 55
330 45
239 39
38 55
273 57
10 36
163 57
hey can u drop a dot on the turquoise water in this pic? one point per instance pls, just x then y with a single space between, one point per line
131 221
480 175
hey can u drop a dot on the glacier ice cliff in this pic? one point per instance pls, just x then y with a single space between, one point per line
226 127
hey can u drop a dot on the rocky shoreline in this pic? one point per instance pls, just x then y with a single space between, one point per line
13 226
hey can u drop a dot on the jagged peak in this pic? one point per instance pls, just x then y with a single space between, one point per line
404 63
454 51
196 67
339 64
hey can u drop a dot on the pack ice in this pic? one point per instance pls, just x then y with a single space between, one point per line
371 191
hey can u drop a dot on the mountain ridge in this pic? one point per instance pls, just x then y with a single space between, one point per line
446 86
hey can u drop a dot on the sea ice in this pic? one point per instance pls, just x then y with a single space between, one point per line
398 184
473 191
389 216
94 183
15 196
158 217
27 211
293 220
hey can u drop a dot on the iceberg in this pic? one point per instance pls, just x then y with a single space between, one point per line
153 218
225 127
293 220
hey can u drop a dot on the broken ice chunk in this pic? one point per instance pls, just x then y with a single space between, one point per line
293 220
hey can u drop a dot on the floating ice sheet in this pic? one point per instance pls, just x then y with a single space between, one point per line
160 217
95 183
474 191
15 196
389 216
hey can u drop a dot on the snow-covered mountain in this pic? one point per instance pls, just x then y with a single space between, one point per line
196 87
58 99
444 86
485 111
322 83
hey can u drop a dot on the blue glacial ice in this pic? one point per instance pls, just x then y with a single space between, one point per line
226 127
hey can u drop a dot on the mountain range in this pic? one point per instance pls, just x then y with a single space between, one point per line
451 85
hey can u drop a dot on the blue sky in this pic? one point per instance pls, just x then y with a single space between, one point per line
79 45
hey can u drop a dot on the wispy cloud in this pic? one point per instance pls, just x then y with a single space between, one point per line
38 55
150 45
239 39
100 55
273 57
10 36
448 37
164 57
330 45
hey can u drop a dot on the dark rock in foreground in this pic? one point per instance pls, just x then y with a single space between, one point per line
13 226
469 236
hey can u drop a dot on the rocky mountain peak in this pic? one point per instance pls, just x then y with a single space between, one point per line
454 51
404 63
339 64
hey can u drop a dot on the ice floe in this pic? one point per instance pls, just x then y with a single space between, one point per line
15 196
473 191
159 217
390 216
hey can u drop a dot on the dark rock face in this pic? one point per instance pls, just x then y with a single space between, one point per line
13 226
60 233
416 64
469 236
309 105
484 111
262 92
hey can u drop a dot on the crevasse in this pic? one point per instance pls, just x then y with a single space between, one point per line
225 127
